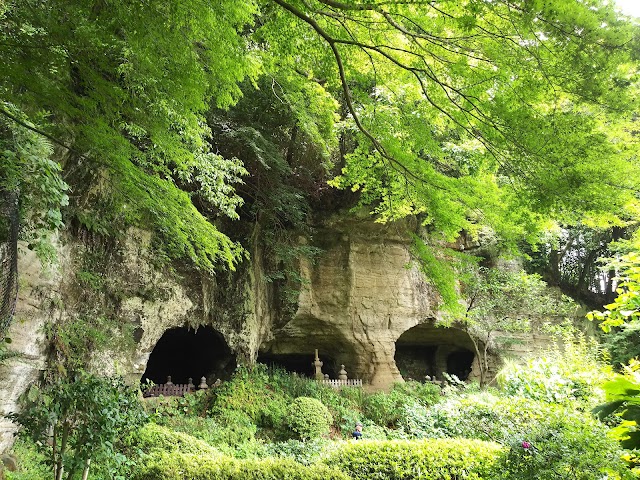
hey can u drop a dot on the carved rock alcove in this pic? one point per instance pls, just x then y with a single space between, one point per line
185 353
426 350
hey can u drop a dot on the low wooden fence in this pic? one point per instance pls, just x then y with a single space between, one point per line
169 390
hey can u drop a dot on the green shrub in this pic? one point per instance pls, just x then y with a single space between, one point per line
485 416
371 431
264 394
308 418
204 428
426 393
435 459
344 404
382 408
234 427
564 441
156 437
250 392
544 379
569 374
32 464
563 446
482 416
231 432
162 408
387 409
305 453
81 419
624 342
164 466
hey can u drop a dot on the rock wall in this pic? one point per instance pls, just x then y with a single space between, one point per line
359 298
38 303
141 299
359 301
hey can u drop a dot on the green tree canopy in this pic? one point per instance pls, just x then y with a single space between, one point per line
125 86
454 101
467 113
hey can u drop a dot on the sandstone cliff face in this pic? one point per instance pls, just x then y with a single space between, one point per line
140 302
362 305
359 298
38 303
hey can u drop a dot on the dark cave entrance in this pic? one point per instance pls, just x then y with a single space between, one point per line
184 353
416 361
300 363
459 363
426 350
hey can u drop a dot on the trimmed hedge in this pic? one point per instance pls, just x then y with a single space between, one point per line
179 466
432 459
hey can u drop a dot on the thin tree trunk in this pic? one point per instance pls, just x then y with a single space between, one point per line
63 447
292 144
55 452
486 360
85 473
479 357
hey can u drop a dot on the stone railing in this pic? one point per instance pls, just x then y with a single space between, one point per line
171 389
337 383
341 381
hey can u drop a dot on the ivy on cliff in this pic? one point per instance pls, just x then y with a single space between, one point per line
124 86
31 175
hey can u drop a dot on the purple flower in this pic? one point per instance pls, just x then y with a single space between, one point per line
526 445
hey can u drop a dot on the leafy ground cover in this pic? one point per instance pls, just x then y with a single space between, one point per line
268 424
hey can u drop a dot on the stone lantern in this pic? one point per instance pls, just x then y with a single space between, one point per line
318 368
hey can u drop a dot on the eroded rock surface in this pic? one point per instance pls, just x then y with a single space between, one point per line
38 303
361 301
360 296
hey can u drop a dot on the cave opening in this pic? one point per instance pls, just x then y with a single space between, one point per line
416 361
427 350
300 363
459 363
184 353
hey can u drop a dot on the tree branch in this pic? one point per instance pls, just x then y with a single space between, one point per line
347 92
24 124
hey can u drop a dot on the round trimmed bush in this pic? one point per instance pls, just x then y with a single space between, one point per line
308 418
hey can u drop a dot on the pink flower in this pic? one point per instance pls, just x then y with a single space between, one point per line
526 445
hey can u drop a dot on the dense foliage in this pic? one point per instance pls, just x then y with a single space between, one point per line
80 420
125 87
427 459
308 418
501 302
483 119
415 429
179 466
467 114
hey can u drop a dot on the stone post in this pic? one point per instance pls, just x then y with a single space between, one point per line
203 384
342 374
318 367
